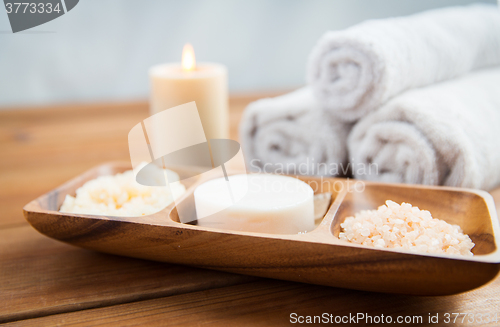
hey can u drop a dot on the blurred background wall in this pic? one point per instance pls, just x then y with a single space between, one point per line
102 49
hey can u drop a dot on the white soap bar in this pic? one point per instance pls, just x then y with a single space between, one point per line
256 203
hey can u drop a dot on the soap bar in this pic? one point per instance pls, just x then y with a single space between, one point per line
260 203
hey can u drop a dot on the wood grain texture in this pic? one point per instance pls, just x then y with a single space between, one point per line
317 257
270 303
42 148
40 276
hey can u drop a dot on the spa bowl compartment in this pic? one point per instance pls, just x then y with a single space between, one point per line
316 257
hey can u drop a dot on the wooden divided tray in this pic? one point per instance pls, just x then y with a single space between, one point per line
317 257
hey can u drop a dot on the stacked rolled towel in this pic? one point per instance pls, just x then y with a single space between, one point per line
288 134
354 71
368 76
445 134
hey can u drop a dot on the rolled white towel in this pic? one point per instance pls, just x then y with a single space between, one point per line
358 69
445 134
288 134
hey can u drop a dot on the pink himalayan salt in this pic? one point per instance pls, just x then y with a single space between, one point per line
405 227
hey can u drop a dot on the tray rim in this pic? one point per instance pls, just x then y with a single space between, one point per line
314 236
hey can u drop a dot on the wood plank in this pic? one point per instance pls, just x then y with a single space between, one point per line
270 303
50 155
40 276
20 116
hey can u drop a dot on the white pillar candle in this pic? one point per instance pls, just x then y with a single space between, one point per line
174 84
256 203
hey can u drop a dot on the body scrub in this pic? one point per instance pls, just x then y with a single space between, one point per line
407 228
121 195
256 203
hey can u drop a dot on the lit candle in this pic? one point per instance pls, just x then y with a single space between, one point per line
174 84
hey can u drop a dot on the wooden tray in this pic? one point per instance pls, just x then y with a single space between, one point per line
317 257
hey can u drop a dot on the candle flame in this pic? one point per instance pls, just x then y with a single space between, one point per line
188 60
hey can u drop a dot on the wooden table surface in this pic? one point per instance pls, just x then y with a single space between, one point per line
44 282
